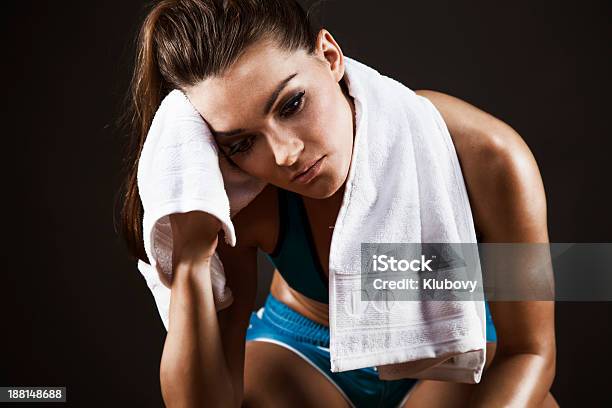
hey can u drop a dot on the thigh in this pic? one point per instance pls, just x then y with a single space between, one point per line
275 376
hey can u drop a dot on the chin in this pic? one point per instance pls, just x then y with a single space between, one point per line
322 193
328 183
325 187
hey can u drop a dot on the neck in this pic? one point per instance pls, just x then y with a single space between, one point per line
350 100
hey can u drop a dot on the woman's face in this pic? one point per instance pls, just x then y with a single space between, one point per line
276 113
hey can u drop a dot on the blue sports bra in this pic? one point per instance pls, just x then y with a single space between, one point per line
295 254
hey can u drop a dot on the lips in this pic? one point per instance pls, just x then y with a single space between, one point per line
305 169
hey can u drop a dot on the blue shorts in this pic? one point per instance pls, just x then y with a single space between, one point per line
276 323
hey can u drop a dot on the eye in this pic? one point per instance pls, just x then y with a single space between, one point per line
243 146
293 105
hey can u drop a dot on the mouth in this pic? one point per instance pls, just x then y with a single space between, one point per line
309 172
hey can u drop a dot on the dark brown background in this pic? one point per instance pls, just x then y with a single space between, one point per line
76 311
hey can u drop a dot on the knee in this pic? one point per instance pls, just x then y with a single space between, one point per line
264 385
550 402
255 396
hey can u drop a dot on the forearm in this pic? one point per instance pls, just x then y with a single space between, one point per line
193 369
515 380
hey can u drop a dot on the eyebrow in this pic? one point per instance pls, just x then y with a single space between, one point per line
267 108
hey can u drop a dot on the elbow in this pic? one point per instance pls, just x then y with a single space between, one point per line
170 389
550 361
548 368
542 360
178 391
174 392
547 352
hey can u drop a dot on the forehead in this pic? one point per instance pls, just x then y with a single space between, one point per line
242 90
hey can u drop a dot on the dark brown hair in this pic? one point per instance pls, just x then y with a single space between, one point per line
182 42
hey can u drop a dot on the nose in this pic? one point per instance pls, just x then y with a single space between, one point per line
286 147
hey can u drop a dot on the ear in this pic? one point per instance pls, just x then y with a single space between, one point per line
329 51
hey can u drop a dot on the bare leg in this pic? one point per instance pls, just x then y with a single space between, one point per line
277 377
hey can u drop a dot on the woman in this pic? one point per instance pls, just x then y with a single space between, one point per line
273 94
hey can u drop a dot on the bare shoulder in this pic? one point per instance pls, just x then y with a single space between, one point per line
500 171
256 222
474 131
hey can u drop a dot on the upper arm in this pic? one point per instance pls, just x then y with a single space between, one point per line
509 206
501 175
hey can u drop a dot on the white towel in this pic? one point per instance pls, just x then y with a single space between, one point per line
404 185
180 170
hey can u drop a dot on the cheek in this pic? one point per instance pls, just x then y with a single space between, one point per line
325 120
256 162
336 122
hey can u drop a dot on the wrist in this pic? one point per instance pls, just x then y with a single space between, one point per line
192 272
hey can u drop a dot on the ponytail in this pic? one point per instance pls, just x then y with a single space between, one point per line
146 89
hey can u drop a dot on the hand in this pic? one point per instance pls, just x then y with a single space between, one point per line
195 236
